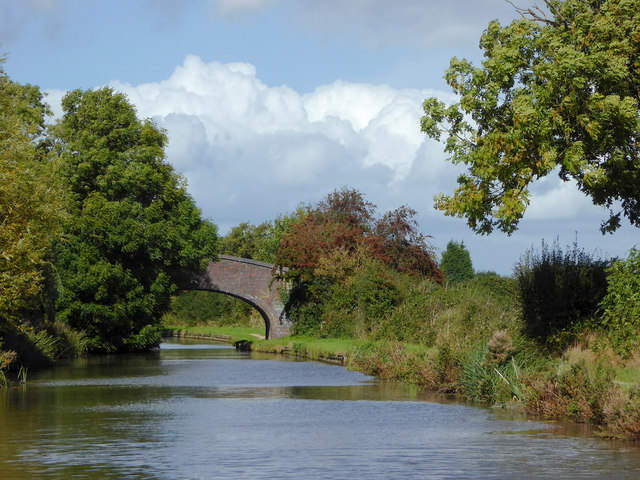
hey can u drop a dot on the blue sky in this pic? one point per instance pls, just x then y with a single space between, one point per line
273 103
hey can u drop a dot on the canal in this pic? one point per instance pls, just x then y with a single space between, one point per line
193 411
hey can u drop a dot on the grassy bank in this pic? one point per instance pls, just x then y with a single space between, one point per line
588 382
579 385
28 348
223 333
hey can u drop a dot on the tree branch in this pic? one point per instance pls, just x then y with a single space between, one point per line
536 13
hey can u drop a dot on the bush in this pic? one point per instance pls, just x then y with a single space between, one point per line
560 291
621 305
462 315
148 338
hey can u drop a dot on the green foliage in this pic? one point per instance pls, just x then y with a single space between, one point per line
560 291
495 371
460 315
132 222
193 308
456 263
258 242
557 93
621 304
32 202
244 240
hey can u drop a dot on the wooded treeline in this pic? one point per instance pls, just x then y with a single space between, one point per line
93 219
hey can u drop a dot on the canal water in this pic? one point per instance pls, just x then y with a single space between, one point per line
191 411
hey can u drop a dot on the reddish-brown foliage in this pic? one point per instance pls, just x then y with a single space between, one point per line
345 221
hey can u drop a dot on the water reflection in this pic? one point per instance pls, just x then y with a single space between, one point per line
200 411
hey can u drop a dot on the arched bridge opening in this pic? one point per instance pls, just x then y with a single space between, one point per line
249 280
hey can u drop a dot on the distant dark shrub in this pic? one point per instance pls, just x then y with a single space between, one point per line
560 291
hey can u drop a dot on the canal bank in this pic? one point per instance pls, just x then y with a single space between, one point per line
575 387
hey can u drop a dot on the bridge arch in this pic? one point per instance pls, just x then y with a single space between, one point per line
246 279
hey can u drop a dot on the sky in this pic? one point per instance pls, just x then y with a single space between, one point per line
270 104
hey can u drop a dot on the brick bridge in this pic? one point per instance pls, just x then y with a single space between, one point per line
248 280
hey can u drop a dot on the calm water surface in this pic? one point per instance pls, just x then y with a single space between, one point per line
206 412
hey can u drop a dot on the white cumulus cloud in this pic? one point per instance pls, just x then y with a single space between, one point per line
251 151
555 199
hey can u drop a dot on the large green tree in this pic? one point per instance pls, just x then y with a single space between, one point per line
31 199
558 91
132 223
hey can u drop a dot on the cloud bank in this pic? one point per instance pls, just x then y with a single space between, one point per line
251 151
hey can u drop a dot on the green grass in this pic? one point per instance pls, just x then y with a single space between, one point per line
335 350
231 334
628 375
309 347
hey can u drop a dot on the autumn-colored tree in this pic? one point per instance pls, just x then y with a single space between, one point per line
401 245
339 253
346 221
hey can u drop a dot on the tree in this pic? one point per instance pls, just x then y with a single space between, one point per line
346 222
31 200
402 247
339 222
560 291
456 262
557 91
258 242
342 259
244 240
132 223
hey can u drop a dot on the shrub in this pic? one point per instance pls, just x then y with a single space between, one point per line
149 337
462 315
560 291
621 305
